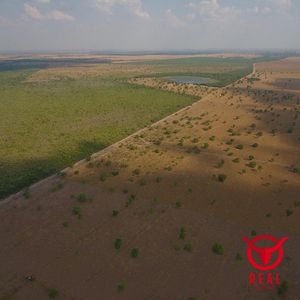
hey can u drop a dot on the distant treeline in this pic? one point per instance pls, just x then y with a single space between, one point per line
27 63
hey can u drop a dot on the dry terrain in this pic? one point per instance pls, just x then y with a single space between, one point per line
225 167
125 58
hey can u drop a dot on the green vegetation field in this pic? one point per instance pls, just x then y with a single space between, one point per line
46 126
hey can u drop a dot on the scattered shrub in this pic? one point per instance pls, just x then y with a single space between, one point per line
103 176
115 173
136 172
220 164
129 201
52 293
158 179
222 177
283 288
115 213
182 233
83 198
76 211
156 200
205 146
188 247
118 244
252 165
178 204
295 170
238 256
218 249
134 252
121 287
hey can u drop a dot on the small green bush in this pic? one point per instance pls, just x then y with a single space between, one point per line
283 288
218 249
118 244
83 197
182 233
252 165
103 176
121 287
188 247
134 252
220 164
222 177
238 256
136 172
76 211
129 201
53 293
115 213
178 204
158 179
115 173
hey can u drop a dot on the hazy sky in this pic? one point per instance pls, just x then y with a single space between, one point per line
148 24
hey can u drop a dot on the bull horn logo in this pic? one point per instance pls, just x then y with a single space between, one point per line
265 254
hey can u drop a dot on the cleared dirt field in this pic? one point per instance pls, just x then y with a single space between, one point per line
225 167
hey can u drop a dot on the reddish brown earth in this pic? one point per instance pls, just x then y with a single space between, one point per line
159 180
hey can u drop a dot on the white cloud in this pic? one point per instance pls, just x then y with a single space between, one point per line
43 1
211 9
173 20
57 15
268 7
33 12
284 4
135 6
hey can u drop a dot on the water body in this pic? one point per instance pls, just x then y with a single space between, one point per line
189 79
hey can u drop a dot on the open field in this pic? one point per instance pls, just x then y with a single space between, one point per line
52 117
160 214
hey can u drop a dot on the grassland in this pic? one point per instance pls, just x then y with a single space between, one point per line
46 127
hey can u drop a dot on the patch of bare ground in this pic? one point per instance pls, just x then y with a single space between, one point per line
138 220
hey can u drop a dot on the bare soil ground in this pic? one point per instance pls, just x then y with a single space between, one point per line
163 178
